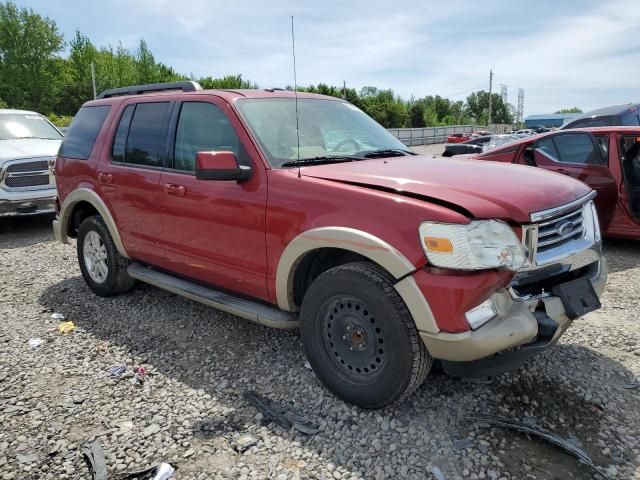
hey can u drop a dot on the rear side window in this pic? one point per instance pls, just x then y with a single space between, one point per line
82 134
140 136
120 141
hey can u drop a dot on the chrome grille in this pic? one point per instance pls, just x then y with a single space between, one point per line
27 174
559 231
27 181
28 166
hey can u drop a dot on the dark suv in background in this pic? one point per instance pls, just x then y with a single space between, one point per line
616 115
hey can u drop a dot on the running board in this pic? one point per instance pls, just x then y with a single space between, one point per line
248 309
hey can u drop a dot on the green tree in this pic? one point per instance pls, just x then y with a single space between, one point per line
29 48
478 107
570 110
230 81
76 76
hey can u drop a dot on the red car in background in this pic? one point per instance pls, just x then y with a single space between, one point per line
458 137
605 158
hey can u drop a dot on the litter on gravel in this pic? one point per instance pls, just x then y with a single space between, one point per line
97 463
161 471
281 416
57 316
117 369
35 342
66 327
532 429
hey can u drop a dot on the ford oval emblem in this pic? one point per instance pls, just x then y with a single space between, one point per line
565 228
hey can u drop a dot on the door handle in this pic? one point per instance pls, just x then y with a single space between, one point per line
105 177
172 189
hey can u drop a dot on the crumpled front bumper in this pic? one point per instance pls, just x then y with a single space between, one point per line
522 328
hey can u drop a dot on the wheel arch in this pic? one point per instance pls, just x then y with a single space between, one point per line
87 198
363 245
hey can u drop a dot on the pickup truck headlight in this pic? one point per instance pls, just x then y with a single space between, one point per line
480 245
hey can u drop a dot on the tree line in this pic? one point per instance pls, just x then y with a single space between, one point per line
36 75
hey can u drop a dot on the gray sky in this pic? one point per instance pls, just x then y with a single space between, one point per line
562 53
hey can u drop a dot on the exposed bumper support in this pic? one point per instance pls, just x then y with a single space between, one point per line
523 328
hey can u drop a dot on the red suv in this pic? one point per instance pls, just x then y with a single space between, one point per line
301 211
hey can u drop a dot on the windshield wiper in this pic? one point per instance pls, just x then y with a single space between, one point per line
319 161
389 152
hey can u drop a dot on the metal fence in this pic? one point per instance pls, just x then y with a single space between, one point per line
431 135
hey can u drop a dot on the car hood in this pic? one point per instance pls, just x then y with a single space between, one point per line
480 189
27 148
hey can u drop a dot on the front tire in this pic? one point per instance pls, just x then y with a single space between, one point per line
359 336
104 270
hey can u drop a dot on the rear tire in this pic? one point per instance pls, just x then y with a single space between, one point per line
360 338
104 270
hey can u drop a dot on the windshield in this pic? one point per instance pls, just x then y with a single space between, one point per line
328 128
26 125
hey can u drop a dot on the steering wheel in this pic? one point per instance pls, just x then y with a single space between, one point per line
351 141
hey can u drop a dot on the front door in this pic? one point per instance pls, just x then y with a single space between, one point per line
214 231
129 178
581 156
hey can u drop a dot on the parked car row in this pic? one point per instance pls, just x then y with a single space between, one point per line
301 211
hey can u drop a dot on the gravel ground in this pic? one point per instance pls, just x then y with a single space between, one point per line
58 397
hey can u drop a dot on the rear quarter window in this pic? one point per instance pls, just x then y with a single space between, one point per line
82 134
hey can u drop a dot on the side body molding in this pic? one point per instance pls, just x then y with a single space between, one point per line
61 224
367 245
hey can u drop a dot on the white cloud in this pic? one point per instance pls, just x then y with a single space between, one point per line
583 53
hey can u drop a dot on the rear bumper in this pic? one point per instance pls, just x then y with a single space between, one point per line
523 327
27 206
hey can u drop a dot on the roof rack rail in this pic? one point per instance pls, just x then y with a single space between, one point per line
185 86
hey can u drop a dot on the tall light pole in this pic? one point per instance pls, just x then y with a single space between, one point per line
490 92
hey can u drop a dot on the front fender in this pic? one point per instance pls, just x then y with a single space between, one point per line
365 244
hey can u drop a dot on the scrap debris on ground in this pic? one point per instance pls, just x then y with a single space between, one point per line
187 407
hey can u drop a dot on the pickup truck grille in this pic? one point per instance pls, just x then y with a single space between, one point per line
34 166
33 174
559 231
27 181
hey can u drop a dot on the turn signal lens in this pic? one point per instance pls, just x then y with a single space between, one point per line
438 244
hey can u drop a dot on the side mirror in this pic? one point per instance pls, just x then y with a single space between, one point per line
220 166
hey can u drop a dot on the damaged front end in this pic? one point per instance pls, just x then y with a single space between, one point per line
565 279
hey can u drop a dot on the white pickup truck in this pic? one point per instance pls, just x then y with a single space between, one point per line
28 147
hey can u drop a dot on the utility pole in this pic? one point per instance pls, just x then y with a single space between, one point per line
344 89
490 92
93 80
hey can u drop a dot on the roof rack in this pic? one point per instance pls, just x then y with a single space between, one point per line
185 86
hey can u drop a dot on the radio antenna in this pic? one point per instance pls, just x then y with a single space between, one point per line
295 91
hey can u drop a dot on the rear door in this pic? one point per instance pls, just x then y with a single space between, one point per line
214 231
581 156
129 177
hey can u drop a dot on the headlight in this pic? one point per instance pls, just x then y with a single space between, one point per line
482 244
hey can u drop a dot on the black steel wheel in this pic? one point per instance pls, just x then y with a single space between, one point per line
360 338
